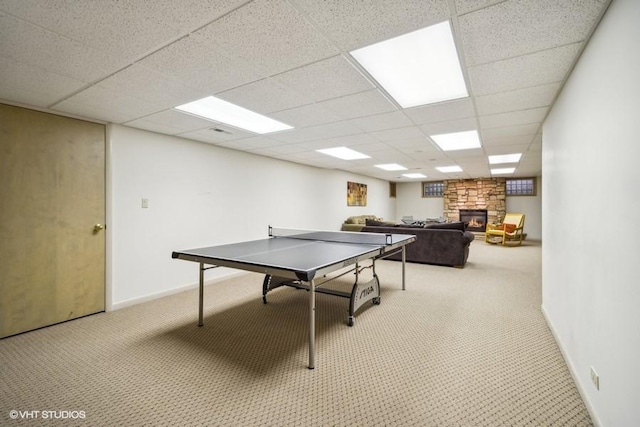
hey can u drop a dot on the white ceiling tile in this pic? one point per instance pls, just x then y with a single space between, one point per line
535 69
354 24
191 60
390 156
286 149
390 135
318 144
38 47
182 122
200 136
188 15
258 142
329 130
521 99
113 27
442 111
350 140
152 126
210 135
265 96
34 85
12 93
99 112
464 154
537 142
270 34
421 144
309 154
143 83
509 135
112 105
330 78
506 149
505 30
395 119
359 105
466 6
426 157
305 116
130 61
514 118
370 147
496 142
451 126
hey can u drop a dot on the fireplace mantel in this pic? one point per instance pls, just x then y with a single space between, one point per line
476 194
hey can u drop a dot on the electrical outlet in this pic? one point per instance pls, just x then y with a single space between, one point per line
145 203
595 379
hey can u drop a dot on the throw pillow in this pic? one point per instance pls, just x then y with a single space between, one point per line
509 228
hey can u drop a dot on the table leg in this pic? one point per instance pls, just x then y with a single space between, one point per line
201 302
404 259
312 324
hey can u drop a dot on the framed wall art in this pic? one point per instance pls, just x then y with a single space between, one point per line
356 194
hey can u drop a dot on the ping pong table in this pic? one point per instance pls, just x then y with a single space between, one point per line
305 259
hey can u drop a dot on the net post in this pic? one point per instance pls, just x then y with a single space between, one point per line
389 238
270 231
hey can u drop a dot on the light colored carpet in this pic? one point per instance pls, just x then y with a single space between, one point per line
459 347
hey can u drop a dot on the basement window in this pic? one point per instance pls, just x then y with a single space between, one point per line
433 189
521 187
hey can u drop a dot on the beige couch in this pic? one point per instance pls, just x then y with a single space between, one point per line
357 222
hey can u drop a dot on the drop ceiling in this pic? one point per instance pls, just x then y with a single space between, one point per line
131 62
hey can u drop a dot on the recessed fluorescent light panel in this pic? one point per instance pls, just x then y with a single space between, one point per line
221 111
505 158
457 141
418 68
343 153
392 167
502 171
449 169
413 175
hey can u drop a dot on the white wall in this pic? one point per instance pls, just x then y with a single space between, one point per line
410 202
203 195
531 206
591 279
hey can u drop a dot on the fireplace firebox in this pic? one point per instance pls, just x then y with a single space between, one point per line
474 219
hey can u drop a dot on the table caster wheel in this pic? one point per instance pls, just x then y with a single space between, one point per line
376 300
350 321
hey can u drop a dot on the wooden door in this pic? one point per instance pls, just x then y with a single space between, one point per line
52 193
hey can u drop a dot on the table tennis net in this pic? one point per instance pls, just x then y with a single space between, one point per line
333 236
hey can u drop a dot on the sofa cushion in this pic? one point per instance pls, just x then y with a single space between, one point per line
432 246
456 225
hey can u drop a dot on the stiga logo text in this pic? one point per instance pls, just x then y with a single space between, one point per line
366 291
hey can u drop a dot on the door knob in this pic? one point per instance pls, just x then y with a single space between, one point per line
98 227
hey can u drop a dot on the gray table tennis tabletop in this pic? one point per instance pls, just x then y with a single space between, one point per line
288 257
303 257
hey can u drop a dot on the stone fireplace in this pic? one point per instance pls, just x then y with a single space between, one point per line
488 194
474 219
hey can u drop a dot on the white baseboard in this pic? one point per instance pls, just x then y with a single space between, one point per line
147 298
572 370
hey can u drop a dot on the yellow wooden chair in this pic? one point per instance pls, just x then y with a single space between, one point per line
511 230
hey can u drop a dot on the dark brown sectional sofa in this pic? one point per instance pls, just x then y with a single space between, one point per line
440 244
